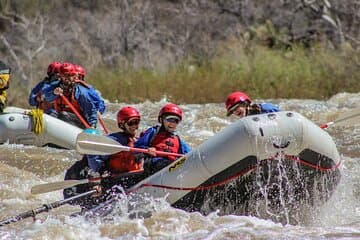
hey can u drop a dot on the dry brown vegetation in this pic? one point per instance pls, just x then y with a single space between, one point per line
263 73
191 51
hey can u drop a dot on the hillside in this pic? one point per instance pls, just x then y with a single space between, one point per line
159 34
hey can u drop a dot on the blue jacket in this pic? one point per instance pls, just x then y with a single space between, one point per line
88 99
45 83
98 99
96 162
268 108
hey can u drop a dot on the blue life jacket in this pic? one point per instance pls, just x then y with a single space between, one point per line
268 108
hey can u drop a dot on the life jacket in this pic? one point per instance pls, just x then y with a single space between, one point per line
60 105
124 161
166 142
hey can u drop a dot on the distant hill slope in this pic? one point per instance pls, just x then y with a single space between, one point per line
157 34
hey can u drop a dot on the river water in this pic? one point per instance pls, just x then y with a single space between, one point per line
22 167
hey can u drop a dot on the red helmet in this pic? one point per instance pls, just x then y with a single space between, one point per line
54 67
67 69
170 109
126 113
234 98
80 71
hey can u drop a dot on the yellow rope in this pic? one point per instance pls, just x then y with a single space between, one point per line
38 120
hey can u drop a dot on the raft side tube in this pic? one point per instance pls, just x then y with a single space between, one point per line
16 128
263 136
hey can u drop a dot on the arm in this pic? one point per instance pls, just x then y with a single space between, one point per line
100 104
47 91
184 147
87 105
34 93
2 100
144 140
96 162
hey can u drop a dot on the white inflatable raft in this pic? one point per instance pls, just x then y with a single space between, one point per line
265 165
16 127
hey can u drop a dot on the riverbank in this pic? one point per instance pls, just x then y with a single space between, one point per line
263 72
316 73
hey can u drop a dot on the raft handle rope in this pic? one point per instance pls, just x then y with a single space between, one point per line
37 120
239 174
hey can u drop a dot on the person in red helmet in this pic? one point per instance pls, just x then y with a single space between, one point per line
128 119
122 167
80 77
36 97
80 72
162 138
81 96
240 105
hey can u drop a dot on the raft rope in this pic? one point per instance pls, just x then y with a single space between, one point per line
37 120
239 174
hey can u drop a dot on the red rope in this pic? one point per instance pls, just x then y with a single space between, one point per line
321 169
289 157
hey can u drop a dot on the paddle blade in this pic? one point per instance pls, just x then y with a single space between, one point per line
92 144
54 186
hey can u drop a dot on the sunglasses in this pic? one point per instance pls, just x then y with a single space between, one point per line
133 122
236 106
242 104
172 120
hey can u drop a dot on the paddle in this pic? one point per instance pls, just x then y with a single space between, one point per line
345 119
54 186
111 125
44 208
82 120
93 144
101 121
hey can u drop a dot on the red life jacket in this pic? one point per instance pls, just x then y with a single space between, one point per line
124 161
166 142
60 105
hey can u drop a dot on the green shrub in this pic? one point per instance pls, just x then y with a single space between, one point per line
315 73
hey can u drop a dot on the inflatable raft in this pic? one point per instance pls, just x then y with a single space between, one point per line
267 165
17 127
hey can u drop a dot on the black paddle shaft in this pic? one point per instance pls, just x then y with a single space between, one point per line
44 208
